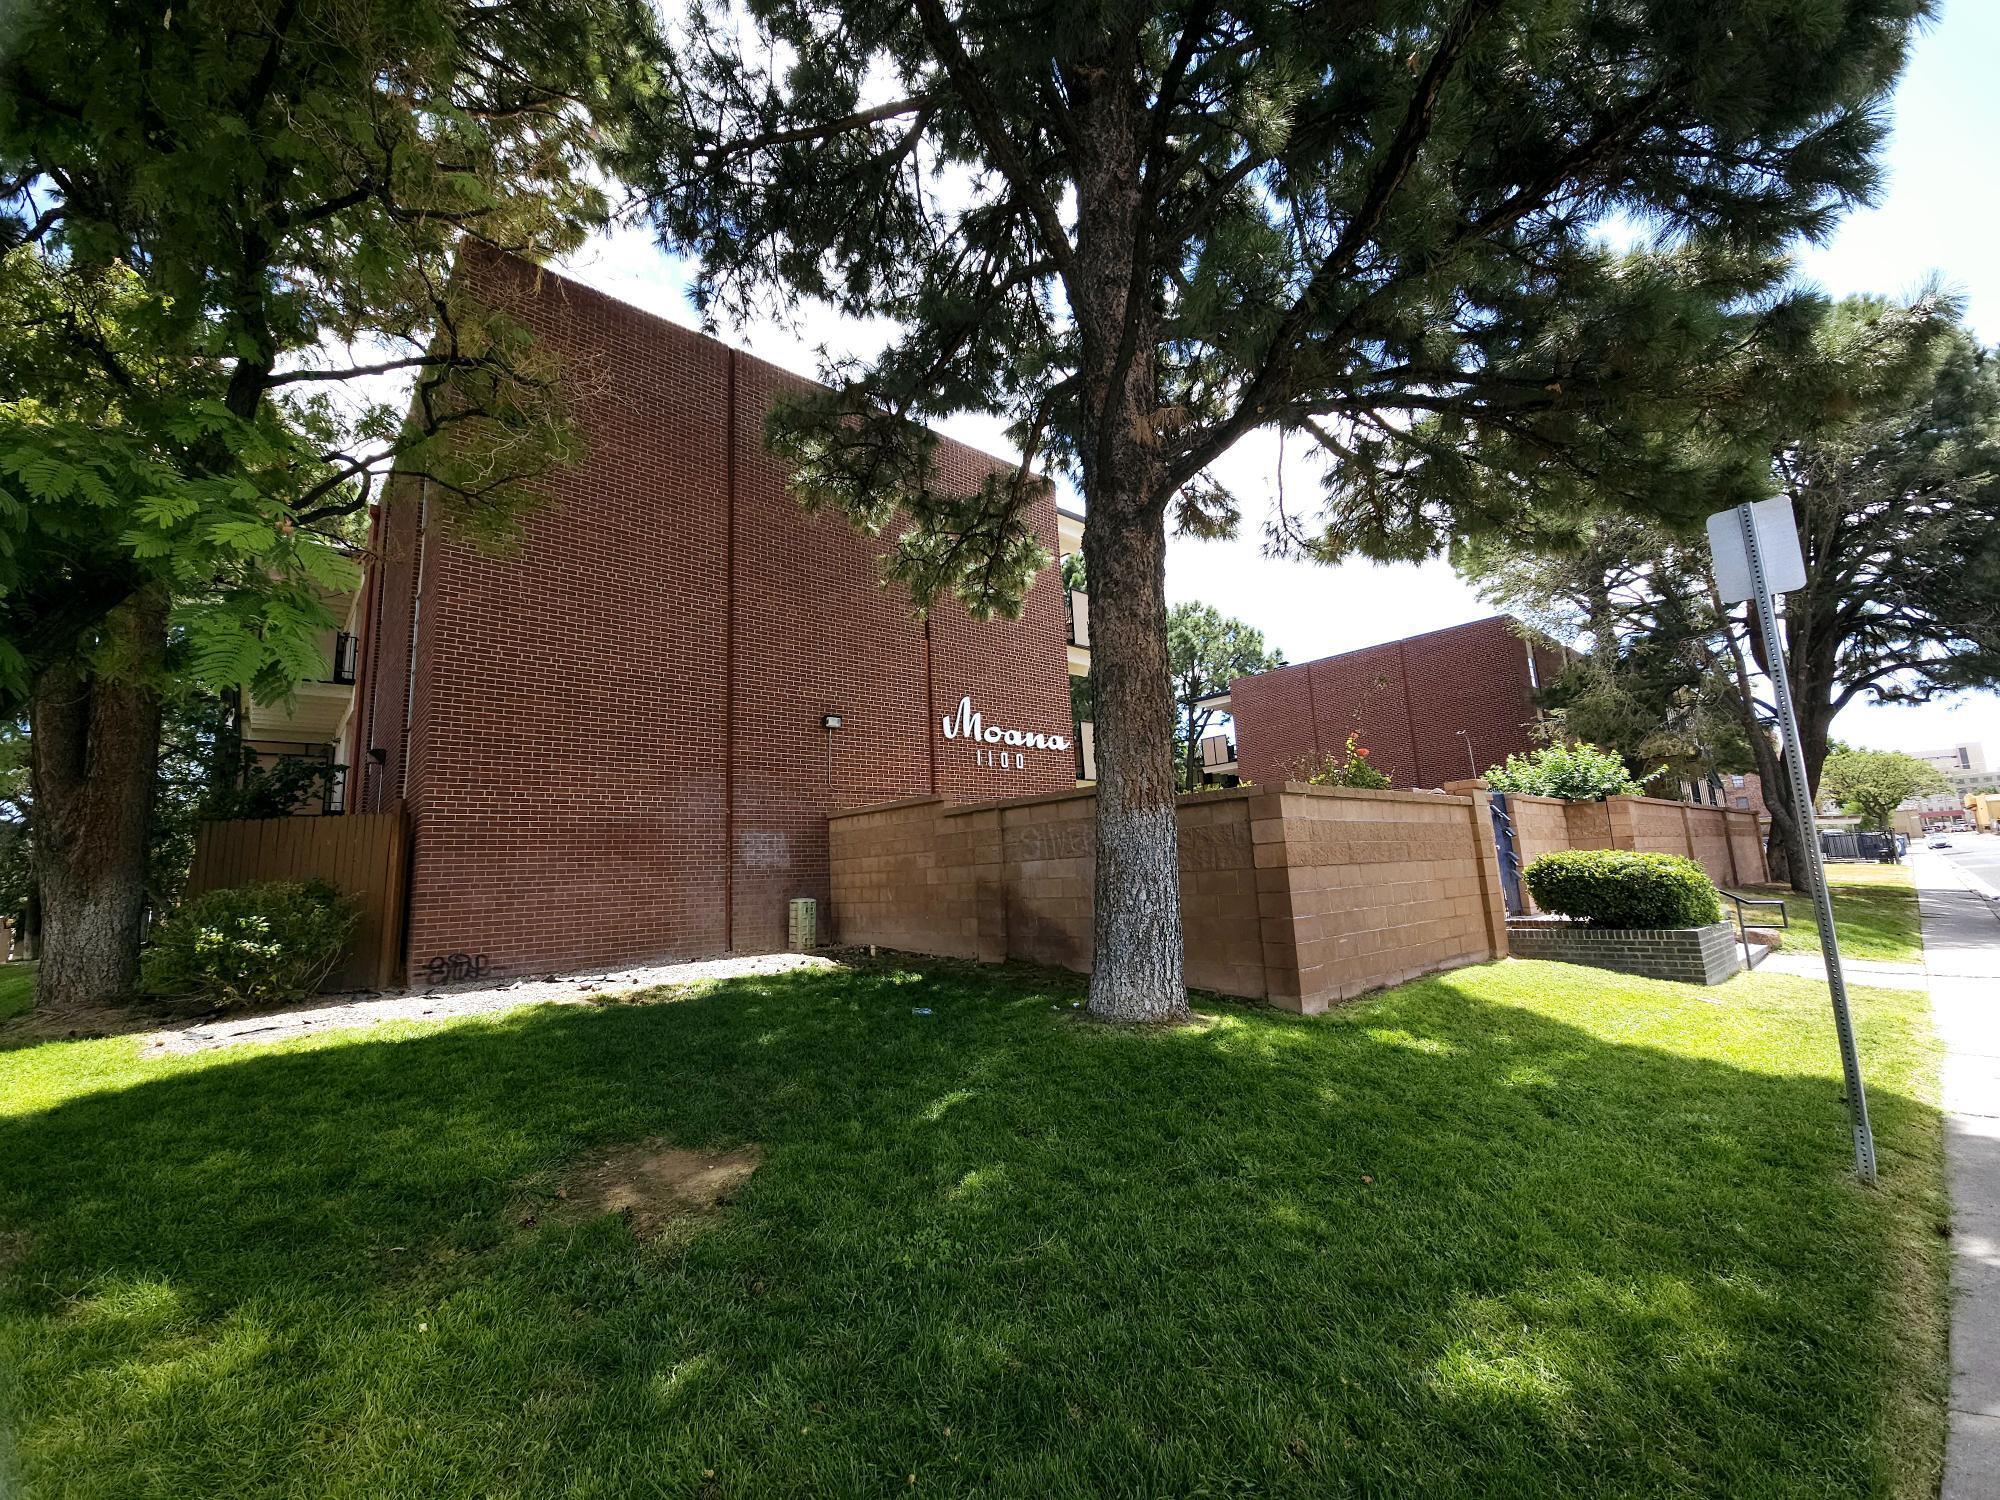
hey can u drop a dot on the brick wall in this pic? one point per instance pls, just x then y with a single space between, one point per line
1688 955
1300 895
616 748
1407 699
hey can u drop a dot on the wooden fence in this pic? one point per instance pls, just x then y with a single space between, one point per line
363 855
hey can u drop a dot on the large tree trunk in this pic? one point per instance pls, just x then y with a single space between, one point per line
1136 970
1784 845
1136 973
96 735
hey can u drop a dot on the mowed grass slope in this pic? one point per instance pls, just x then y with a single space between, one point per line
1522 1230
1874 913
17 989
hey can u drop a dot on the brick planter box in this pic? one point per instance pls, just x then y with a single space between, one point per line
1691 955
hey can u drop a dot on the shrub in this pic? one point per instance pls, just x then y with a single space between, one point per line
1575 773
1354 771
1619 888
251 944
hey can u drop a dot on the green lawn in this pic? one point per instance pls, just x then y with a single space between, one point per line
17 990
1524 1230
1874 911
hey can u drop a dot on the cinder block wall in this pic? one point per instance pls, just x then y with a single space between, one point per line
1296 894
1724 841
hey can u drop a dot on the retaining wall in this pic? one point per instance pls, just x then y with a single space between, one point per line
1691 955
1724 841
1295 894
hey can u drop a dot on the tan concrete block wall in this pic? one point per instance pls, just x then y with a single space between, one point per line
1746 839
1541 826
1302 895
1708 843
1369 888
905 876
1589 825
1049 874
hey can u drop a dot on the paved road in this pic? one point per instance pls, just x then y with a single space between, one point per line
1962 955
1978 854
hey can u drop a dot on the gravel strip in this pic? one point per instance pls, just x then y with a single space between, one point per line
447 1002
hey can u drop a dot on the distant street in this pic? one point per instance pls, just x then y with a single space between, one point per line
1977 854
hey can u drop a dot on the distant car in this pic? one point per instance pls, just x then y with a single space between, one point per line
1939 842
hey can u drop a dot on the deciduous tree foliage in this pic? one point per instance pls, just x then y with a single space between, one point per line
1146 231
1872 784
227 314
1206 651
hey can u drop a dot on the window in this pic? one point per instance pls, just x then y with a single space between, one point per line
1742 801
1736 781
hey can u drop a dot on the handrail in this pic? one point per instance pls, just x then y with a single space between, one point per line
1743 923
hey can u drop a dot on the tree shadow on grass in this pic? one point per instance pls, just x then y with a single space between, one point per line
1431 1245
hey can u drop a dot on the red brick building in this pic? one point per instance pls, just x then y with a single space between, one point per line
1430 709
620 739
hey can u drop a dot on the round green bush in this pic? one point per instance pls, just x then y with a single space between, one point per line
258 944
1620 888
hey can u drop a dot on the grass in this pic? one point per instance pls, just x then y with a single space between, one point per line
1522 1230
17 990
1874 912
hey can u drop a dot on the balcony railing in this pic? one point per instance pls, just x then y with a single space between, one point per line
346 657
1078 604
1086 751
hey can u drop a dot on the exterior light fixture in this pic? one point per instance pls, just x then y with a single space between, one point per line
829 721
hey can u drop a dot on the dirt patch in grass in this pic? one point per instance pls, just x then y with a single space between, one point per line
652 1184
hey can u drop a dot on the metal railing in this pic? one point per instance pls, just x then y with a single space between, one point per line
1744 924
346 657
1077 606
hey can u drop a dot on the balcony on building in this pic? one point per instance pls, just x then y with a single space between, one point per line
313 724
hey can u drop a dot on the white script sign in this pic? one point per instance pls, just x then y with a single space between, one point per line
967 724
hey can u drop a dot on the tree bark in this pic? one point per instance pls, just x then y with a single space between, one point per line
95 741
1136 972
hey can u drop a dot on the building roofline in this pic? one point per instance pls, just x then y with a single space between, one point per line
1422 635
570 284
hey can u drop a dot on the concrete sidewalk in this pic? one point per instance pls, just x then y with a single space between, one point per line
1962 953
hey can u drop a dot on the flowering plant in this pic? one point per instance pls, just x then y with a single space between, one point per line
1353 770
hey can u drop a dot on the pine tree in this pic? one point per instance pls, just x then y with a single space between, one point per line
228 314
1206 651
1144 232
1885 437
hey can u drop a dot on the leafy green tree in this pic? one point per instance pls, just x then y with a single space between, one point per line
231 308
1575 773
1144 232
1206 651
1872 784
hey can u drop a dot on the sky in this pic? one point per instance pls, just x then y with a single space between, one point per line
1937 216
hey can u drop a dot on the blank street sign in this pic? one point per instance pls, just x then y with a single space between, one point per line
1777 544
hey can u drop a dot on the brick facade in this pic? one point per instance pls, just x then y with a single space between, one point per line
1407 699
1688 955
613 748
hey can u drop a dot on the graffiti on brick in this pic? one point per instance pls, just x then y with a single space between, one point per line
449 968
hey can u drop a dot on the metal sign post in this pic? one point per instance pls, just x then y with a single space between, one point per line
1757 556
